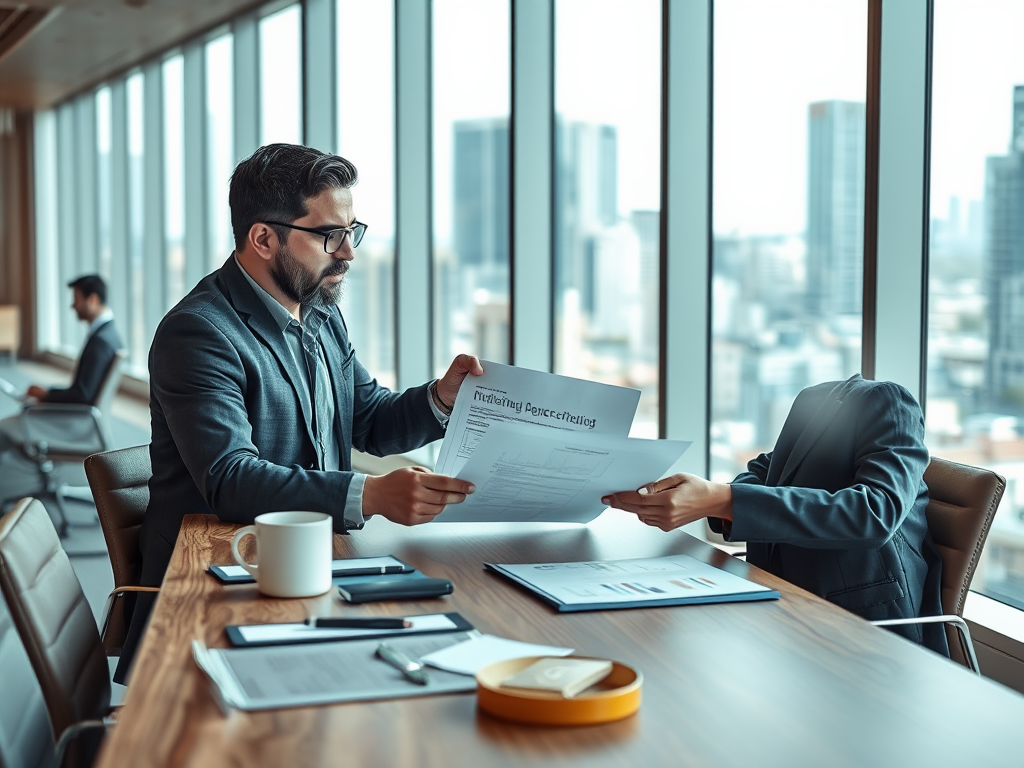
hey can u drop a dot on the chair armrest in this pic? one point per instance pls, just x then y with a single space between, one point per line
115 593
75 730
955 621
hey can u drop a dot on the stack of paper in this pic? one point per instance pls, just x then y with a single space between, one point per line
545 448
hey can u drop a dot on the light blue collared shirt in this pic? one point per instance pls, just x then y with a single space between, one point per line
329 454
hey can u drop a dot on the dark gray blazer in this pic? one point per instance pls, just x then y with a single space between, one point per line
91 367
230 436
838 507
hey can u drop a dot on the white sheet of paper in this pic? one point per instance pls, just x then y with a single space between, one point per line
506 394
471 656
265 633
12 391
525 473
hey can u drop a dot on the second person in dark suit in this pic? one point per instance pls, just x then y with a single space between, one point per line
838 507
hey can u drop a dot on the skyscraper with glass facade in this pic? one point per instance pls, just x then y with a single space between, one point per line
835 205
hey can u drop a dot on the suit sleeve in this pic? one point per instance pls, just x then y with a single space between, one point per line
89 373
198 380
890 459
756 474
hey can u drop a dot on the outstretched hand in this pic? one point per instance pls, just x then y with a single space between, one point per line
412 495
675 501
448 385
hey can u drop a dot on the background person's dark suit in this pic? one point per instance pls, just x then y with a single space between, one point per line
838 507
230 436
91 367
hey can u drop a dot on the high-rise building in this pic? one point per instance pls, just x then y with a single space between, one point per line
481 191
835 208
648 228
473 278
1004 259
587 208
586 191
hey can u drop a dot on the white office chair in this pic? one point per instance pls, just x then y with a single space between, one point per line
68 433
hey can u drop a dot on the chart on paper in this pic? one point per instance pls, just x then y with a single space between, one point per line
629 581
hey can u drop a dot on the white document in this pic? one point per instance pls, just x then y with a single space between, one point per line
675 579
322 673
471 656
525 473
506 394
294 633
11 391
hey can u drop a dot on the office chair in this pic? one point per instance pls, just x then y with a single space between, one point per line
25 738
56 626
963 501
120 487
67 433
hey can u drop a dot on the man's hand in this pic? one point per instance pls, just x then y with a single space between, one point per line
412 495
675 501
39 393
448 385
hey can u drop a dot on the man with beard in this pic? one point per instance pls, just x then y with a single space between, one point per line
256 394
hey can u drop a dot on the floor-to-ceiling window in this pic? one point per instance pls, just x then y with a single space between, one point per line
281 77
136 220
789 94
68 216
366 136
174 178
470 99
103 181
608 195
975 395
220 154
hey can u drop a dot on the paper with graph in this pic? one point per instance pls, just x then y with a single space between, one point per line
643 582
529 473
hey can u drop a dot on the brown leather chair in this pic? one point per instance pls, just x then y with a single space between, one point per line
54 621
963 501
120 487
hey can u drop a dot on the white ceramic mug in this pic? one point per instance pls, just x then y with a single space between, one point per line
293 553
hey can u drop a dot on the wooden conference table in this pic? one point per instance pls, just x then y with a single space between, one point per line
790 682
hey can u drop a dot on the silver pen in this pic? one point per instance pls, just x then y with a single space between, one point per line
411 669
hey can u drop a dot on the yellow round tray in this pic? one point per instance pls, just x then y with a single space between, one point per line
615 697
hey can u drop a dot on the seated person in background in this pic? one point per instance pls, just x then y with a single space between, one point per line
838 507
102 341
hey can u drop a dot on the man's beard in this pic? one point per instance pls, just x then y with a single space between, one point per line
301 285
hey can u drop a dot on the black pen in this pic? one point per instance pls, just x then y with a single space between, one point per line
339 623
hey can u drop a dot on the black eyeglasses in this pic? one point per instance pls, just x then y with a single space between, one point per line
333 238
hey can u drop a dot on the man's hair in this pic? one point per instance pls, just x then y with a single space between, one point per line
275 183
87 285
